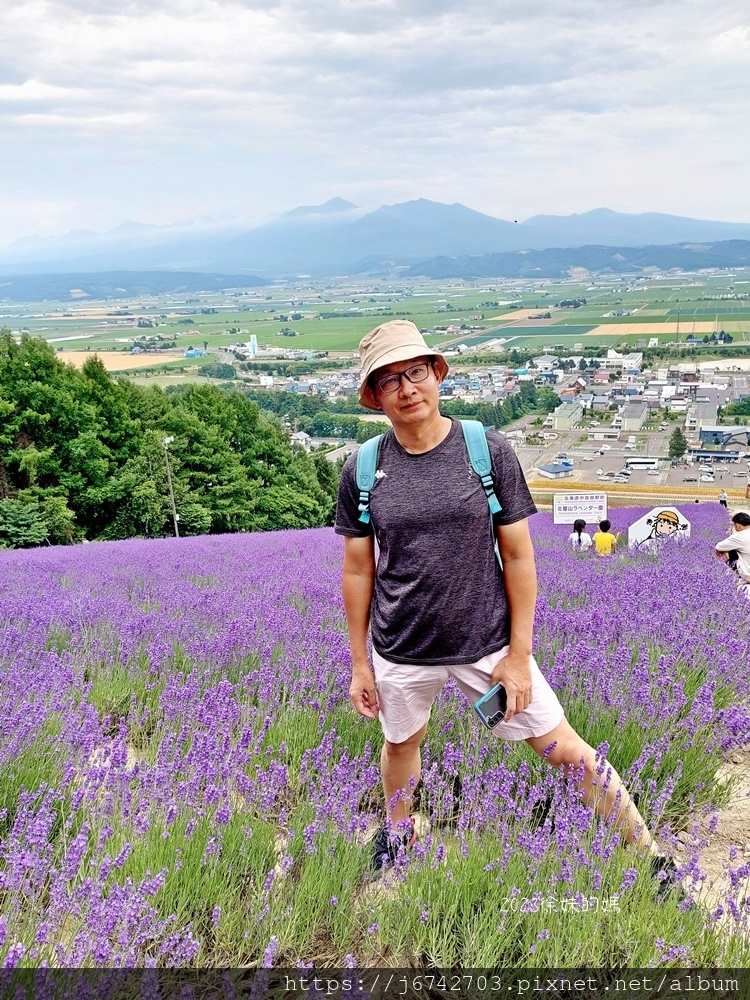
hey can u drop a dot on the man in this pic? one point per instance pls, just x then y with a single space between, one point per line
435 600
735 548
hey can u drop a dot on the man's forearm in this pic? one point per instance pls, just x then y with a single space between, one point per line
357 593
520 589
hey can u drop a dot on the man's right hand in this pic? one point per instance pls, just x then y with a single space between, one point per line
362 692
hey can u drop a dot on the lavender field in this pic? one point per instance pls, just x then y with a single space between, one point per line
184 782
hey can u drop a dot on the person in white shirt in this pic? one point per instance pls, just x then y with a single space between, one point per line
735 548
578 538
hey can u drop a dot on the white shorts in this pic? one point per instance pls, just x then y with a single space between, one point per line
406 693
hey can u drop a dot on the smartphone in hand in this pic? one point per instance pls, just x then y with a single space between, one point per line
491 707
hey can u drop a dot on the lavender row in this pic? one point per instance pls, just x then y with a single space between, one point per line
185 781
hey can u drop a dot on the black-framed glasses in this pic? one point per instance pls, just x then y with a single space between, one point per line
415 373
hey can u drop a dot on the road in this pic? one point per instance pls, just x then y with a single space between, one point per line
613 460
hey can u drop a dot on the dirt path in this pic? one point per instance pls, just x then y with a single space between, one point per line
732 830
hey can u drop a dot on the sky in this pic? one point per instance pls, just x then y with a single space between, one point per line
167 110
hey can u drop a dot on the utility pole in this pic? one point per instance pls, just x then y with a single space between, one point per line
175 516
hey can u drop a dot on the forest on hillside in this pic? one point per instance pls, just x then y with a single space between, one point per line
82 456
320 417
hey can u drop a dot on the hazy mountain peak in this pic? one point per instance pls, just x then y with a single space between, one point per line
594 215
329 207
131 226
73 235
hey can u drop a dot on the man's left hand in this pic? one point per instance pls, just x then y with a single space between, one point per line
514 673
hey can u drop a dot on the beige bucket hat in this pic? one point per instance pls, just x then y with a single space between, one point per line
397 340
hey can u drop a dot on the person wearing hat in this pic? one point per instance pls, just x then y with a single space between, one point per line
434 599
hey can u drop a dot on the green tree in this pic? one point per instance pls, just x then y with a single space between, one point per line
58 518
21 525
218 370
84 454
328 474
740 408
119 422
677 444
195 519
369 429
547 399
527 392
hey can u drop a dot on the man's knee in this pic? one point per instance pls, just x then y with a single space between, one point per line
407 746
572 752
563 747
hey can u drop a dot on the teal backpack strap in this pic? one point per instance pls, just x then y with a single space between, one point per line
367 465
481 463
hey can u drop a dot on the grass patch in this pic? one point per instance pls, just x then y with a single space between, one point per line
38 767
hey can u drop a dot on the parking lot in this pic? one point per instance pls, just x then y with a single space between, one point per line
591 464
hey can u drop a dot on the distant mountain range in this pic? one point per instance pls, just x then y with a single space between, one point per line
593 259
337 238
530 264
116 285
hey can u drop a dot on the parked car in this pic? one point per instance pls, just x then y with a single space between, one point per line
690 479
742 474
588 458
620 479
653 472
625 472
707 479
721 468
606 447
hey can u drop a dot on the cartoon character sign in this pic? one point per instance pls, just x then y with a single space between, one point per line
656 526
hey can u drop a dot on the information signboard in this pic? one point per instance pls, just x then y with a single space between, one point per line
568 507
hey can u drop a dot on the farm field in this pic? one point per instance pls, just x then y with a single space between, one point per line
669 330
119 361
333 317
184 782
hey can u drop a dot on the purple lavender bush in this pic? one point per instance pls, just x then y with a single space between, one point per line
184 782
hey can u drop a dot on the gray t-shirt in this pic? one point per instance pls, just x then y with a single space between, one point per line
439 596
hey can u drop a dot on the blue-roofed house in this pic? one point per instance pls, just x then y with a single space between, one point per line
556 470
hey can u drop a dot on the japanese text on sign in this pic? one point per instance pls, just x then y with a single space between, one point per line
570 506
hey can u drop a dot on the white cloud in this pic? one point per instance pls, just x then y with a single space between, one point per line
735 42
202 106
